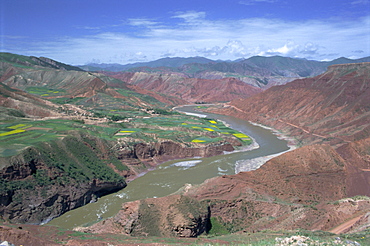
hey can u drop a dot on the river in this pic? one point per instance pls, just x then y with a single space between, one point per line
170 176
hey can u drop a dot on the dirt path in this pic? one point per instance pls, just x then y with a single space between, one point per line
294 126
345 226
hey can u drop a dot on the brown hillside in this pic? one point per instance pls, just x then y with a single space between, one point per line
77 84
189 89
22 101
334 106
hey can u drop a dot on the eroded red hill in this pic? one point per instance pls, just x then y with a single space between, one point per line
334 106
189 89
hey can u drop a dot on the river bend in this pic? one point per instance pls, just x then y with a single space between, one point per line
170 176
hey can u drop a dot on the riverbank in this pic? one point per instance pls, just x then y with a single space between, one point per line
253 164
170 176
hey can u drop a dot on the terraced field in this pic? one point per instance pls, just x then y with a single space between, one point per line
16 135
181 128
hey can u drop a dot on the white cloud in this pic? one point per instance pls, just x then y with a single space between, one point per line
195 35
292 49
253 2
190 16
364 2
142 22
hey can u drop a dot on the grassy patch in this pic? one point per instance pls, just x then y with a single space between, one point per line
20 134
15 135
85 236
181 128
64 100
217 228
45 92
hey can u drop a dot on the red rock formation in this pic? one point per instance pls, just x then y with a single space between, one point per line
169 216
189 89
332 107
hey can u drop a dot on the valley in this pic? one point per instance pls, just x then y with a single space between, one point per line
175 175
71 137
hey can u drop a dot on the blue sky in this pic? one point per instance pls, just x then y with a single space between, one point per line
127 31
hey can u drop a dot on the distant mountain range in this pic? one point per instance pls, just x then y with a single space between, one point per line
177 63
173 62
257 71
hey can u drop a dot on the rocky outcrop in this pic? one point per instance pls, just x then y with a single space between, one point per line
143 156
42 204
171 216
48 180
18 236
170 150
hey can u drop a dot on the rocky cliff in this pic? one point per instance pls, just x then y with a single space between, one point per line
51 178
143 156
172 216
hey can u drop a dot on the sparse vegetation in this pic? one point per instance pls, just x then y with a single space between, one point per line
217 228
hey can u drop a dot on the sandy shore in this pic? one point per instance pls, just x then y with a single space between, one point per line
253 164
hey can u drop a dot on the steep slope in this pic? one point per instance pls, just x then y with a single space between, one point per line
50 178
24 103
330 107
305 188
76 84
31 61
187 89
23 72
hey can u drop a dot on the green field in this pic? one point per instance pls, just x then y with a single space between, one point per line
17 135
45 92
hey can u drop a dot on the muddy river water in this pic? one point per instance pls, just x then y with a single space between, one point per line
170 176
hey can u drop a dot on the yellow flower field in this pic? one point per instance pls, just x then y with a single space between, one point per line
11 132
16 129
197 141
